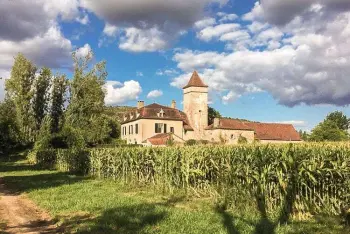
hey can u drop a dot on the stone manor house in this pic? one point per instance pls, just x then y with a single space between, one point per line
155 124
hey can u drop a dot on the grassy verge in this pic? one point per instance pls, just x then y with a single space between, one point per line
84 205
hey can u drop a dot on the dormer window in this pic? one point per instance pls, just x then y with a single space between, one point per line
161 113
131 116
125 118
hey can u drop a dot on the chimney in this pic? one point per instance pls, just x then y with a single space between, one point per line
173 104
140 104
216 122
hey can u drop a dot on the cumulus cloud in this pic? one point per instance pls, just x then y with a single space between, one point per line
50 49
205 23
156 22
307 60
119 93
143 40
281 12
22 19
154 94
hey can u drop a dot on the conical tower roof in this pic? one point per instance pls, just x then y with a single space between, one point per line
195 81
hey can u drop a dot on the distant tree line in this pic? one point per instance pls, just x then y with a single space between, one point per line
335 127
43 110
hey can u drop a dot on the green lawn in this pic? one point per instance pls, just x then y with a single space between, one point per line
84 205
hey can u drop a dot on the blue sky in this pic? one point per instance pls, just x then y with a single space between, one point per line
273 61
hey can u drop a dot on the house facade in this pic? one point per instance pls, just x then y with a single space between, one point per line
155 124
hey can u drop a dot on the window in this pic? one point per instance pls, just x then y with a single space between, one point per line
165 128
172 130
158 127
136 129
132 129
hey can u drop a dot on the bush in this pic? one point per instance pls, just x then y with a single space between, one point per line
191 142
75 161
204 142
242 140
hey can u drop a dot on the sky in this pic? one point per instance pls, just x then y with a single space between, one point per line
269 60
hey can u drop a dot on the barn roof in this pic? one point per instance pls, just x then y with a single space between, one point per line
263 131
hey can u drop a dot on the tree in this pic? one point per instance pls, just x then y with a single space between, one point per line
339 119
19 90
41 96
8 126
212 114
87 100
58 98
328 131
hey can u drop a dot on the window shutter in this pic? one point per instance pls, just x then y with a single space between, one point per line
155 128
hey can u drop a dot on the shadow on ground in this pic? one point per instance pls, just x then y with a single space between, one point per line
35 179
140 218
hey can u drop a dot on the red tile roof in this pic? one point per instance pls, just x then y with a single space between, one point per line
152 111
159 139
195 81
263 131
274 131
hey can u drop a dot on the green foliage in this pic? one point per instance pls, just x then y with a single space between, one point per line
86 106
328 131
333 128
19 90
204 142
41 96
44 137
341 120
58 98
191 142
212 114
8 126
242 140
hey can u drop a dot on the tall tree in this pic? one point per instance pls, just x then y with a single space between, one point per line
58 98
212 114
19 90
339 119
87 97
41 96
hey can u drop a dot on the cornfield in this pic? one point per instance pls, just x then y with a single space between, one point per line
300 178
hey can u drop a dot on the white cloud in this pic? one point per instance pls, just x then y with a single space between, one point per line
213 32
143 40
83 19
305 61
118 93
50 49
139 73
110 30
82 52
231 96
205 23
154 94
167 72
224 17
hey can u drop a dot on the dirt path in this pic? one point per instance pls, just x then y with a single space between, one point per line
21 215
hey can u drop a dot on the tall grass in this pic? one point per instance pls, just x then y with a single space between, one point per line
297 178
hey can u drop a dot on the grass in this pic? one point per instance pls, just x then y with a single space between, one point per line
85 205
